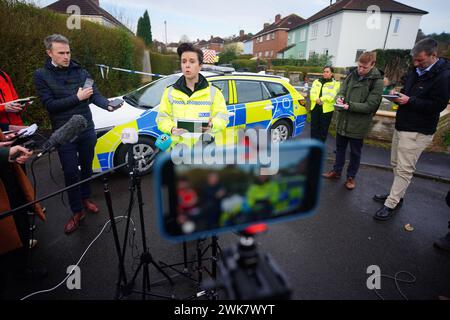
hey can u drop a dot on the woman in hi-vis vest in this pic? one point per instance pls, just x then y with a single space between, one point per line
323 96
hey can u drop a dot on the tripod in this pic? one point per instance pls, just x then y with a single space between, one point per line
125 288
199 267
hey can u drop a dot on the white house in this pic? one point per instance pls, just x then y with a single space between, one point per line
347 28
248 47
89 10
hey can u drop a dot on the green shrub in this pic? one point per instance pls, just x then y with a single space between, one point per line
164 63
23 51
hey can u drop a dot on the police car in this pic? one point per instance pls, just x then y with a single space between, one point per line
253 101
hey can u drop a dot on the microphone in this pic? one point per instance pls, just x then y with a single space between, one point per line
69 131
131 136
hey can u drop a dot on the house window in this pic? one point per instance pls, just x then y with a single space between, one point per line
271 53
329 26
260 54
396 25
267 53
268 36
358 53
302 35
301 55
293 37
273 35
314 30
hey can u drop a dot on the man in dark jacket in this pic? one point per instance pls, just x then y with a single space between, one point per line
359 99
424 96
60 86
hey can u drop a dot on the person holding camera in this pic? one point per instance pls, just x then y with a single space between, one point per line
60 86
323 95
15 191
358 100
424 96
192 97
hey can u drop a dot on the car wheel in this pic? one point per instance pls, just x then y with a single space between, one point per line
280 131
144 147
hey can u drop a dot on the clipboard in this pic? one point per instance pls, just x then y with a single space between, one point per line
192 126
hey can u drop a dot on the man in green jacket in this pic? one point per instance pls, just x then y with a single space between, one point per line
358 101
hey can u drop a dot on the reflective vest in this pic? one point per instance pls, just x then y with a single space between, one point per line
203 105
259 192
329 91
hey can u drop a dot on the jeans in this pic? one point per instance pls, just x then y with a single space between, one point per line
320 122
355 154
73 154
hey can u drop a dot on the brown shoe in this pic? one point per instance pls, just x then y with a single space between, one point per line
90 206
73 222
350 183
331 175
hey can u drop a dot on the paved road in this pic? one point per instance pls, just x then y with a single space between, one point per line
324 256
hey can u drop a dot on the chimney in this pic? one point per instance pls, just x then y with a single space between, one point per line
277 18
96 2
266 25
241 33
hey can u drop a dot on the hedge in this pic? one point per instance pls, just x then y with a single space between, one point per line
23 51
164 63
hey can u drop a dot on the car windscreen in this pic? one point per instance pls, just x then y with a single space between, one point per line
150 95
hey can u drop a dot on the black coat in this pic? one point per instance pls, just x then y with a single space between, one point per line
58 87
428 97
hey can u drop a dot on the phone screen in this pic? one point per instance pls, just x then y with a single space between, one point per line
88 83
199 200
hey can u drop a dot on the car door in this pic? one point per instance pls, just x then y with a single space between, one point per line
230 136
253 108
224 86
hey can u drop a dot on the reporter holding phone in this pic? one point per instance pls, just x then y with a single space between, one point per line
192 97
59 84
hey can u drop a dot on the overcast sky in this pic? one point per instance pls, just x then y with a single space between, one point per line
199 19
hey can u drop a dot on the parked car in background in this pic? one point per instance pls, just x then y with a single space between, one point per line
253 101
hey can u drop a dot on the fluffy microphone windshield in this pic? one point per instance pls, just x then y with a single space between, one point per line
67 132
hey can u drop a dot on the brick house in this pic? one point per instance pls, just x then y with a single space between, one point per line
274 37
215 43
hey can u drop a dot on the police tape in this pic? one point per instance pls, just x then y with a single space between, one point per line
104 70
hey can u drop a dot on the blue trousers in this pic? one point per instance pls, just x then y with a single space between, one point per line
355 154
73 154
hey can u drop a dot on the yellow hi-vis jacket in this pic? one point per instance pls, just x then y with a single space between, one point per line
204 105
267 191
329 92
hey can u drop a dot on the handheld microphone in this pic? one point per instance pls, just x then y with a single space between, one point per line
70 130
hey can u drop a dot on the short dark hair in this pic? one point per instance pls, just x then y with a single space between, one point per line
329 67
189 47
427 45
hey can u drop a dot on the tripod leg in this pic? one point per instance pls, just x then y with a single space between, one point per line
199 262
185 257
214 256
107 195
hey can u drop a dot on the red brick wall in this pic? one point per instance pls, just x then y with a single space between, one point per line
275 45
216 46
